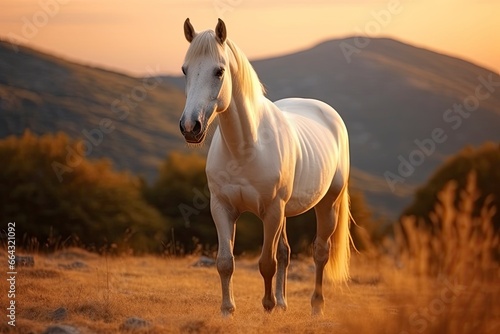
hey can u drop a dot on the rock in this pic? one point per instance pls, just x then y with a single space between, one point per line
204 261
24 261
194 326
59 314
61 329
74 265
73 254
133 323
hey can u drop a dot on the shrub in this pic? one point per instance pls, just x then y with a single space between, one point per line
181 195
91 205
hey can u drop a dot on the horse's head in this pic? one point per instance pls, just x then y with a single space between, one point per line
208 80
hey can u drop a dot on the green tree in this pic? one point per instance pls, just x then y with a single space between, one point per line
88 202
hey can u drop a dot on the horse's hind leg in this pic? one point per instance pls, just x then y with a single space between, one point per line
326 220
283 262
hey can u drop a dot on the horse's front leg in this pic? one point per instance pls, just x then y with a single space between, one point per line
273 222
225 223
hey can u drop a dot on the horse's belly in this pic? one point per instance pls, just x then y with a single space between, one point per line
315 167
301 203
308 190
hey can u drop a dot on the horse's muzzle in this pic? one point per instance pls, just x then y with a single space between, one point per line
193 134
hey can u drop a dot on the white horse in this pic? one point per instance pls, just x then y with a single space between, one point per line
275 160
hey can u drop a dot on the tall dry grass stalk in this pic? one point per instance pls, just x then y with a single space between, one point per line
459 243
453 260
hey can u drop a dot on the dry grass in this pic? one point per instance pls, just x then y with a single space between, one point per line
445 281
175 297
459 243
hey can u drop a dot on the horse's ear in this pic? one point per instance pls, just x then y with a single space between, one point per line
220 32
189 31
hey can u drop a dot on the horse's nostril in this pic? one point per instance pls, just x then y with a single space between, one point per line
181 127
197 128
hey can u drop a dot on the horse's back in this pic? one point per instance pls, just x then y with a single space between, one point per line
314 110
306 114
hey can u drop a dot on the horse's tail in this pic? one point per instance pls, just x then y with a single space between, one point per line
337 267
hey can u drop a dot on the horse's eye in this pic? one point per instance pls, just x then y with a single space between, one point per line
219 72
183 70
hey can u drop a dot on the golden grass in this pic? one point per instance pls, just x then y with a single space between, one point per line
459 244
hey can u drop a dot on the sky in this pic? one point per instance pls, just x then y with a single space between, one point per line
139 37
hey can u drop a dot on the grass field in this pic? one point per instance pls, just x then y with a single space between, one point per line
97 294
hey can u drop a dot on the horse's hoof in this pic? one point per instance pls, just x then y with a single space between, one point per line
268 304
317 303
227 312
282 306
317 312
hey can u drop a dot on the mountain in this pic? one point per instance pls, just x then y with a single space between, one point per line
46 94
393 97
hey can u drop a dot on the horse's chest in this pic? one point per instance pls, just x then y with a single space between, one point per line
244 188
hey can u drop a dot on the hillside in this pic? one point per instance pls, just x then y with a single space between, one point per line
390 95
46 94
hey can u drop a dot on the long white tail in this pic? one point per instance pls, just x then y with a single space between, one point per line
337 267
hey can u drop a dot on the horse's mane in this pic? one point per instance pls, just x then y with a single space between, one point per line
205 44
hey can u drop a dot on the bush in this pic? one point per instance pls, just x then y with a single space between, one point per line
54 197
181 195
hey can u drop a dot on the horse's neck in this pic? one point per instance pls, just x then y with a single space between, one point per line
239 125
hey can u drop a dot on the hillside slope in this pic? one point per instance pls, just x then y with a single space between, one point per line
132 121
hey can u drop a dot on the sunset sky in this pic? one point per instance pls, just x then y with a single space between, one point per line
134 35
